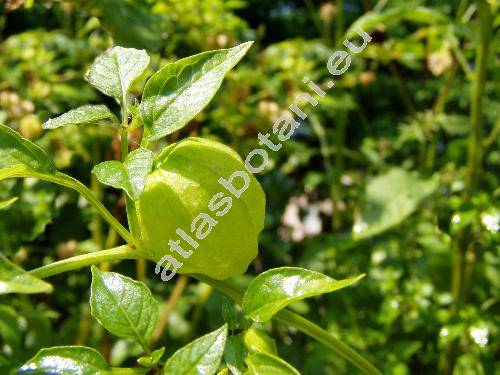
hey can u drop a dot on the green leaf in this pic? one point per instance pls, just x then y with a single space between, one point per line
234 354
266 364
10 330
8 202
115 70
86 114
132 23
13 279
174 95
368 21
273 290
258 341
389 200
123 306
153 359
19 156
66 360
228 314
129 176
200 357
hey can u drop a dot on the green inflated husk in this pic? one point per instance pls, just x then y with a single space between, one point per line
184 179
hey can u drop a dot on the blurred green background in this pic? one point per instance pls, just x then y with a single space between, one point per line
380 179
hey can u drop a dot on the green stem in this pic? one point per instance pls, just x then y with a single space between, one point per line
289 318
464 247
68 181
229 289
405 95
95 187
309 328
80 261
475 155
339 22
133 223
336 189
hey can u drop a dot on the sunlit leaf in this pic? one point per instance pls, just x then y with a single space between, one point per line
266 364
390 199
13 279
123 306
153 359
273 290
256 340
115 70
86 114
200 357
130 175
177 93
66 360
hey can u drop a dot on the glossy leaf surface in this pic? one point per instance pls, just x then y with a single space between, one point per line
123 306
129 176
273 290
178 92
13 279
200 357
115 70
66 360
86 114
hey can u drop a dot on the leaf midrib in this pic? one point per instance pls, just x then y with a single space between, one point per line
182 88
141 341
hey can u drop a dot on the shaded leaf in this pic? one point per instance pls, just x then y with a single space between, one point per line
13 279
19 155
390 199
129 176
86 114
174 95
266 364
115 70
66 360
368 21
28 216
8 202
10 331
234 354
273 290
200 357
131 23
123 306
228 314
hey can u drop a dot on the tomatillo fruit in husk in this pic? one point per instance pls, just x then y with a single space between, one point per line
201 210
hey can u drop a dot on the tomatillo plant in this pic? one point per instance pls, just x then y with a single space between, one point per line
163 192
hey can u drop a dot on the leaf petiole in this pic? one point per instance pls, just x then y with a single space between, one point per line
309 328
80 261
